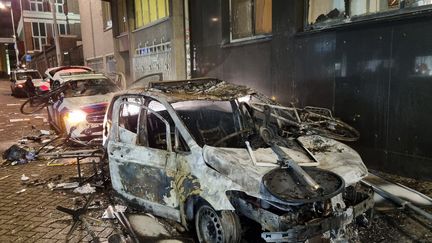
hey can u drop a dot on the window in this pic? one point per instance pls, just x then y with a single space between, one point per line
325 12
106 15
128 121
250 18
148 11
157 120
39 36
62 29
121 17
36 5
59 5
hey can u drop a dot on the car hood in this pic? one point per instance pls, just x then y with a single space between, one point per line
84 101
236 164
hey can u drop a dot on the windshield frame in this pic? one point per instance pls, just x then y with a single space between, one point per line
26 74
68 87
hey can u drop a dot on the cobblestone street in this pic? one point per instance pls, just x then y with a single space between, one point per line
31 215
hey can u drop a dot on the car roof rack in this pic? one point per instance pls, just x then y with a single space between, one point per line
163 85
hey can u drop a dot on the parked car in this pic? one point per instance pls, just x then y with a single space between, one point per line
57 75
80 107
210 154
18 78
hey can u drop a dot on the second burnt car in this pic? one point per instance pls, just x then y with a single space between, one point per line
79 106
214 156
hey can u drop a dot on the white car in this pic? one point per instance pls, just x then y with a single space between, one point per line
57 75
80 107
19 77
221 158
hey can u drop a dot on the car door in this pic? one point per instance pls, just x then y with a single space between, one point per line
139 159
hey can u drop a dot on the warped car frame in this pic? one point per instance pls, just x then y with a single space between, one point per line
209 154
79 106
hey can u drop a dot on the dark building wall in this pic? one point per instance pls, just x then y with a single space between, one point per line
366 73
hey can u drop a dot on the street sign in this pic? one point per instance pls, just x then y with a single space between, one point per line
28 58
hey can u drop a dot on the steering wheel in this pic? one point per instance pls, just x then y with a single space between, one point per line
232 135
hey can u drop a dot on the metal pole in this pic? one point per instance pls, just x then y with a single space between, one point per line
15 38
56 34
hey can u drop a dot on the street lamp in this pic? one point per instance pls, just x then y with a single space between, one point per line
3 6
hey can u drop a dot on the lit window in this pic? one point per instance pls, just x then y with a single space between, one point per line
250 18
39 36
327 12
36 5
148 11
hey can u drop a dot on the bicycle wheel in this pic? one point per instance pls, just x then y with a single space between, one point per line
34 104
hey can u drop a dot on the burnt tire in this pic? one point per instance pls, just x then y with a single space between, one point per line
217 227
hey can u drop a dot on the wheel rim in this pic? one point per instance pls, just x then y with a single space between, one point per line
209 227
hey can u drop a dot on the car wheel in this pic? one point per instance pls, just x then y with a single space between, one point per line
217 227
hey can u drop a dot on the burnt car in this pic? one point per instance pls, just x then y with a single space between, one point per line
79 106
214 155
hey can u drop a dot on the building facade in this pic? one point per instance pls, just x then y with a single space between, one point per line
149 38
97 36
35 30
368 61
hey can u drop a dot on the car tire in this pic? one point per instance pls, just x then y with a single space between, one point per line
217 227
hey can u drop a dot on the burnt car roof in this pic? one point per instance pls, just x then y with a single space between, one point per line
194 89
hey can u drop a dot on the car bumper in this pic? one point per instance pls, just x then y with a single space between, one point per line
318 227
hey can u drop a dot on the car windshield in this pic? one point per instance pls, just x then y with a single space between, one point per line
208 121
89 87
24 75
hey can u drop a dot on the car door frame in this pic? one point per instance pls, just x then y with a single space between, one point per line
122 154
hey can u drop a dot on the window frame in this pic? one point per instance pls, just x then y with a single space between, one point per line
157 20
39 37
397 13
122 26
65 28
254 36
106 15
36 4
57 5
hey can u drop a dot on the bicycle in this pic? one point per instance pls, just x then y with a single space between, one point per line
308 121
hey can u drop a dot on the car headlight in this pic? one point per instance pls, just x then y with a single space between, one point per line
75 117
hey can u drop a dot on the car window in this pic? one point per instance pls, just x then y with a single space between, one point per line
128 122
24 75
156 132
89 87
207 121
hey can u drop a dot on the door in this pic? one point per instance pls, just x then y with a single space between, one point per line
141 160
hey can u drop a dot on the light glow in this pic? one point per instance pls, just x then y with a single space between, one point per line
76 116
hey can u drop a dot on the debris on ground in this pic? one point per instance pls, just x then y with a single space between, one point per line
67 185
24 178
15 153
146 226
109 212
86 189
21 191
4 177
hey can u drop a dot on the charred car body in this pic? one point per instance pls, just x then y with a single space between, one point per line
80 107
208 152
